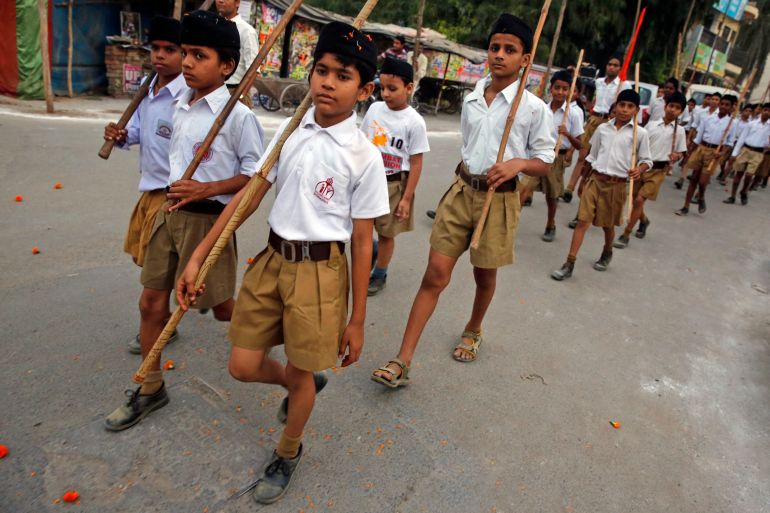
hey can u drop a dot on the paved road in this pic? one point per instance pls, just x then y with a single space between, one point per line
672 342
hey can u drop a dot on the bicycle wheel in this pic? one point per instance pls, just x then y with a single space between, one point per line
451 100
267 102
291 97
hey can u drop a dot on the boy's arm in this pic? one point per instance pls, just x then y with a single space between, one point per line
644 156
415 170
188 191
361 253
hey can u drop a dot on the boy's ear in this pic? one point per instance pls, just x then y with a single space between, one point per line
525 59
365 91
228 67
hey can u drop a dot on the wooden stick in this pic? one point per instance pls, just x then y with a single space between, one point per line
178 9
569 99
258 185
42 9
69 48
509 123
633 147
554 44
245 85
744 90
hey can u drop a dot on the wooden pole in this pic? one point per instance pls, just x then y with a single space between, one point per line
258 185
178 9
509 123
417 40
633 147
569 99
69 48
42 9
554 44
678 57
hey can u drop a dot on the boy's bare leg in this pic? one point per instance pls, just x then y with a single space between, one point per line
386 246
434 281
302 394
609 237
577 238
255 366
637 212
224 311
552 205
691 187
154 311
486 281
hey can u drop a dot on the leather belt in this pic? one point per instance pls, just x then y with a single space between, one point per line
479 182
607 178
754 148
709 145
206 206
659 164
296 251
395 177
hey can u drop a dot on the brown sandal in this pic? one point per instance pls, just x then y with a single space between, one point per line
471 350
395 381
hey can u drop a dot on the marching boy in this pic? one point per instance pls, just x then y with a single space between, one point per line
529 149
749 154
151 127
664 151
399 133
710 131
604 194
331 186
210 54
552 184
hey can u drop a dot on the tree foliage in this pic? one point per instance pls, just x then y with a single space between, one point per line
602 28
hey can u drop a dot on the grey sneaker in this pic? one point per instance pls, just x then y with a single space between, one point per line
136 408
320 380
135 346
564 272
276 478
431 214
604 261
682 211
621 243
730 200
549 234
572 224
376 285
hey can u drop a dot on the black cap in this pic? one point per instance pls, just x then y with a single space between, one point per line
629 95
166 29
204 28
346 41
563 75
766 105
679 98
397 67
731 98
510 24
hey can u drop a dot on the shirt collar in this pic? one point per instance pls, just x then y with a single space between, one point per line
615 81
508 93
342 133
215 99
175 86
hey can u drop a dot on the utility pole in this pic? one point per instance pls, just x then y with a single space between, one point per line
552 54
42 8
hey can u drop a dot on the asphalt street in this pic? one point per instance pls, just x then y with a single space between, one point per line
672 342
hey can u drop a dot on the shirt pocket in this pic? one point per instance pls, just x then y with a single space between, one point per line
326 188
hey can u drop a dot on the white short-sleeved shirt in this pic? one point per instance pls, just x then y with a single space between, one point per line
482 128
151 127
325 178
605 94
702 115
661 137
235 150
574 124
574 105
757 135
740 127
398 134
249 49
658 107
611 149
712 127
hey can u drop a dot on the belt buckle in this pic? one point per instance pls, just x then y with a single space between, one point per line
286 244
475 183
305 250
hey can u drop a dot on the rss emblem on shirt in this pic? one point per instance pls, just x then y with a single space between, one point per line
380 137
324 190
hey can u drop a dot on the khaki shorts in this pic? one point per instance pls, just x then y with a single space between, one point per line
602 203
748 161
764 168
389 225
174 238
141 223
303 306
650 182
457 215
591 125
552 184
701 159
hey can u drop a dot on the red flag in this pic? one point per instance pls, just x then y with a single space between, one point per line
631 45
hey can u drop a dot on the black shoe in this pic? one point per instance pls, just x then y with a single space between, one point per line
431 214
701 205
679 183
641 232
376 285
566 196
722 181
203 311
136 408
744 198
276 478
565 271
682 211
527 202
320 380
730 200
572 224
695 199
549 234
604 261
621 243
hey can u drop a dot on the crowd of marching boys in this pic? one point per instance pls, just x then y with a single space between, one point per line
336 182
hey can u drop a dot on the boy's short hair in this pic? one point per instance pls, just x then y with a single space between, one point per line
515 26
563 75
673 81
399 68
629 95
350 47
163 28
691 100
718 95
766 105
677 98
400 39
731 98
204 28
617 56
